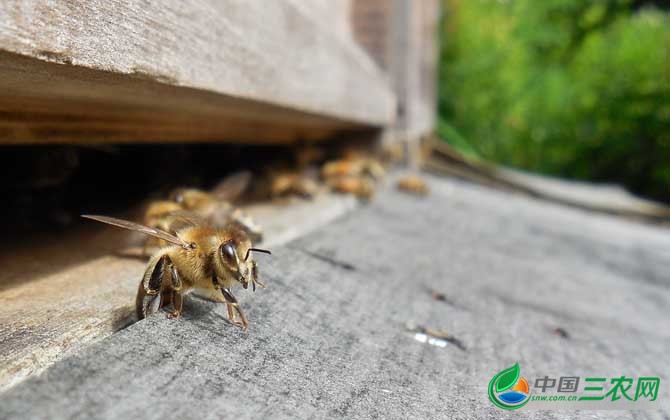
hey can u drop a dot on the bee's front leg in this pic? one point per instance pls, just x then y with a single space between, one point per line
254 277
233 306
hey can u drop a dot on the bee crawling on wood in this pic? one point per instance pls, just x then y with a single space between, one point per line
201 259
413 184
354 174
286 183
361 187
353 166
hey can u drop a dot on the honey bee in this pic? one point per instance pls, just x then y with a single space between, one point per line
361 187
355 174
413 184
157 213
354 163
199 258
292 183
213 207
353 166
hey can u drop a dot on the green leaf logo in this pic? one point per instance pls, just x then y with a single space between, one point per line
507 378
503 381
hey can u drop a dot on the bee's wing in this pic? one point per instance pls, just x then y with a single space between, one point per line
183 218
140 228
232 186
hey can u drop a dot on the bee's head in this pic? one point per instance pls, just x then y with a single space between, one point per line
231 256
234 258
238 262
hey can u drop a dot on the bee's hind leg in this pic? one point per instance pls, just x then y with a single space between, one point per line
150 299
177 298
160 287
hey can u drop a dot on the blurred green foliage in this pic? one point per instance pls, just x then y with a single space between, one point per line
574 88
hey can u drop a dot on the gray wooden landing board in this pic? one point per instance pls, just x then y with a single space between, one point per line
328 336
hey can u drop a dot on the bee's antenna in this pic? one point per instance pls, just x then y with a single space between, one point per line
256 250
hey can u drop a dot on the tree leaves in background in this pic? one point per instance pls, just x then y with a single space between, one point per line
571 88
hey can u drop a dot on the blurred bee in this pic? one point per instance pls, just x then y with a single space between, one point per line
308 155
353 166
361 187
200 259
413 184
394 153
285 183
354 174
354 162
213 207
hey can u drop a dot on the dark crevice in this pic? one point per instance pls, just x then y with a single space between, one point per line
325 258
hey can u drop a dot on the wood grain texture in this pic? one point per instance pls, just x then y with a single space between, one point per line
605 198
413 65
61 292
121 70
326 341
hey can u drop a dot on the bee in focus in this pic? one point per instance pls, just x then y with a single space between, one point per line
213 207
413 184
199 258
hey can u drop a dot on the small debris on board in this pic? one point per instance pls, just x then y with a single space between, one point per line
442 297
438 338
413 184
560 332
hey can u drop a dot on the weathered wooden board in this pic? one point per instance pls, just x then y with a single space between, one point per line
332 336
210 70
402 37
61 292
413 65
442 158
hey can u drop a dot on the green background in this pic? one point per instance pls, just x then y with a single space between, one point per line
572 88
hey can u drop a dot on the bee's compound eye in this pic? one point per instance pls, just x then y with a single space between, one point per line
228 253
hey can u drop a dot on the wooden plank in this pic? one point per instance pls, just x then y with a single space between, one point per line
50 103
337 333
401 36
414 65
62 292
604 198
166 72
